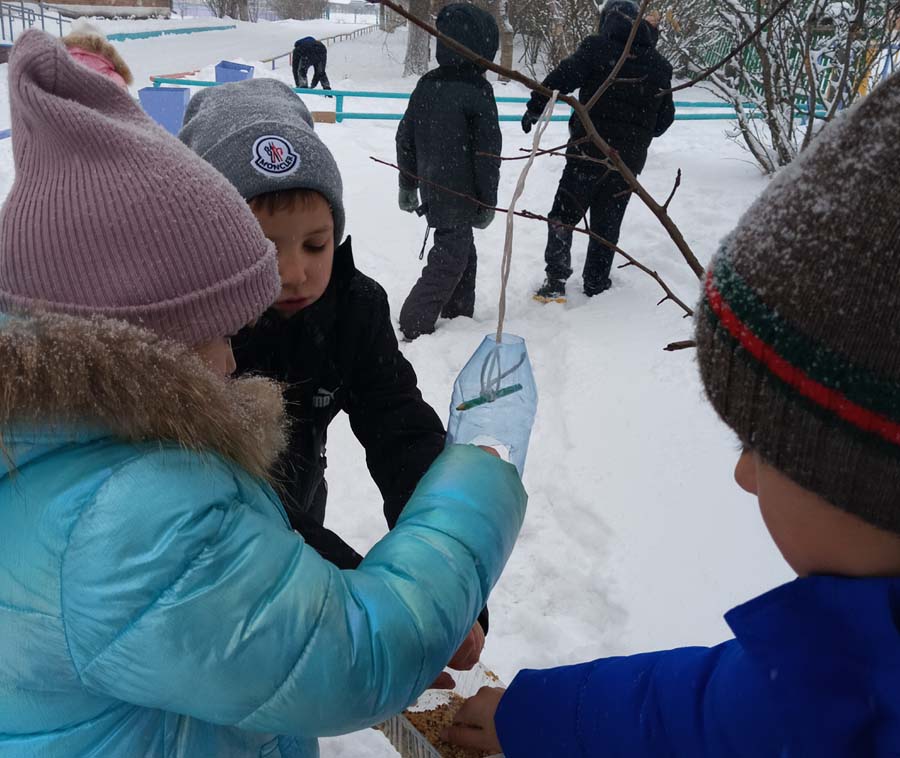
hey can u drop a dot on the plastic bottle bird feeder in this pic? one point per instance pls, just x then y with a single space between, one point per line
228 71
495 398
413 733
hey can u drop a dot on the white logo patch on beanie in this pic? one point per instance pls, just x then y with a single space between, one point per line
274 156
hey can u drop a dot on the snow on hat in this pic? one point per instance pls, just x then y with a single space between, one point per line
799 326
259 134
111 215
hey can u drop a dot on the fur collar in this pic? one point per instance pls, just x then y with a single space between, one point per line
57 369
93 43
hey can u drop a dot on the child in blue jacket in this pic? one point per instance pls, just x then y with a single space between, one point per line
798 334
154 600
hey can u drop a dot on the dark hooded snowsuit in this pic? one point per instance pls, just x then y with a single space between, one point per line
340 354
628 116
451 119
310 53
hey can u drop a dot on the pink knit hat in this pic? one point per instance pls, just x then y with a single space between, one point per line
111 215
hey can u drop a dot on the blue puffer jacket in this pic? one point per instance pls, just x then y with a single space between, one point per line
153 600
813 672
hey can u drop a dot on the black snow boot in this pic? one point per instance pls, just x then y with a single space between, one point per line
551 291
591 289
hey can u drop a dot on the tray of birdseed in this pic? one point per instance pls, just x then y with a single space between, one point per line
414 733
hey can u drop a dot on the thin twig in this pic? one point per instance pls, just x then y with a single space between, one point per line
673 347
583 115
737 51
842 85
567 156
632 261
586 158
674 190
546 151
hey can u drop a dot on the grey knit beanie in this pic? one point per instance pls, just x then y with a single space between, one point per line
110 215
799 326
259 134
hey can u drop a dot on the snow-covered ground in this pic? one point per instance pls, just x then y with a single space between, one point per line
636 536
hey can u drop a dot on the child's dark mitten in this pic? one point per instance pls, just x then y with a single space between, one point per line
483 217
408 200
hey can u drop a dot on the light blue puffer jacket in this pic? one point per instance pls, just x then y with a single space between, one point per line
154 602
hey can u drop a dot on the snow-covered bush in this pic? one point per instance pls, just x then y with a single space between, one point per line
551 29
815 58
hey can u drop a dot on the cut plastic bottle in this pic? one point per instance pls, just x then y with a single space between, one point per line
495 397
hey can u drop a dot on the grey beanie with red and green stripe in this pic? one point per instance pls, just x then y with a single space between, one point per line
799 326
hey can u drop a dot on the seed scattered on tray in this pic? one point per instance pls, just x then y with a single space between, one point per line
430 724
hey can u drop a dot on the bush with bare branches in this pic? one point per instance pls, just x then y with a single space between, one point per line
299 9
815 58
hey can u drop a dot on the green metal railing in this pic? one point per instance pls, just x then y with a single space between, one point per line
342 115
123 36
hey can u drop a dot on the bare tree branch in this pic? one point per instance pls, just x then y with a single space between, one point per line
632 261
674 190
857 23
673 347
546 151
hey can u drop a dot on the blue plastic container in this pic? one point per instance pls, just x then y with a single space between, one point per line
165 105
495 398
226 71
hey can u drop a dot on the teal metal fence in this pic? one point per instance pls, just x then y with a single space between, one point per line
341 115
122 36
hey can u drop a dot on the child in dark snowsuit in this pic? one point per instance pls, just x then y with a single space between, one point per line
451 118
798 332
628 116
309 53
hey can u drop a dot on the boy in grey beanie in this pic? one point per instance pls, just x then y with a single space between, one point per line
329 337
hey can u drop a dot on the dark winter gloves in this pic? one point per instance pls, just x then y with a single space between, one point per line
483 217
528 121
409 200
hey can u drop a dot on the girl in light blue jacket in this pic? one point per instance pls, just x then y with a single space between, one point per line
153 600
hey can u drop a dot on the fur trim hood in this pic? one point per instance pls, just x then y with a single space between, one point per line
61 370
95 43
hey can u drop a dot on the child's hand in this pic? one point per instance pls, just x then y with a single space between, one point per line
469 652
473 726
464 659
529 120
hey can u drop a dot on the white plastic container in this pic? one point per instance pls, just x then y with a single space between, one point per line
409 741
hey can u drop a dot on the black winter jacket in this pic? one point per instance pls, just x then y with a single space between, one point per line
341 354
308 53
629 114
451 118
